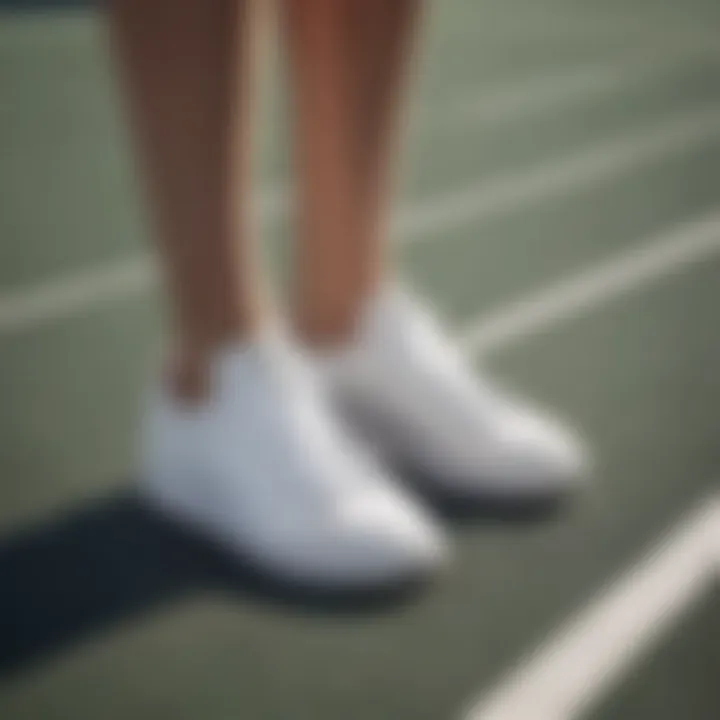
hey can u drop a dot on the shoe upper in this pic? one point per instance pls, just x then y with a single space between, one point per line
417 399
263 466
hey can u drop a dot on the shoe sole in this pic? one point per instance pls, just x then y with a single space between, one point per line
484 503
239 570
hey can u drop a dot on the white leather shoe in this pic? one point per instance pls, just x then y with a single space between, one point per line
411 394
262 467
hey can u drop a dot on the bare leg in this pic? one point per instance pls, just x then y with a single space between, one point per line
382 36
188 67
349 78
349 62
327 274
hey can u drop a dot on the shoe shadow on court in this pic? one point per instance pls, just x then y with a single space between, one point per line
114 559
490 509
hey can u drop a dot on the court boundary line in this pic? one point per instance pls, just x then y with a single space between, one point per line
592 651
553 87
576 294
61 297
548 178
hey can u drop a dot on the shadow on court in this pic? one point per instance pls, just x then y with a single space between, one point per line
114 559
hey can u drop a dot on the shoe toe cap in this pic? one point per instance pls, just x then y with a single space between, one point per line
539 453
388 538
372 542
525 455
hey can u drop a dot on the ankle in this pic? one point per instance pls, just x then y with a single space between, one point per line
325 330
189 371
329 323
188 376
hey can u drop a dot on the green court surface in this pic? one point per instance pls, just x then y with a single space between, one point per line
561 205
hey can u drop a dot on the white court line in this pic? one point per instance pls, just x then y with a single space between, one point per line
671 252
66 295
555 177
62 297
548 91
596 648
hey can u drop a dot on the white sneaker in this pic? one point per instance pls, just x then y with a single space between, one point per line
263 469
411 394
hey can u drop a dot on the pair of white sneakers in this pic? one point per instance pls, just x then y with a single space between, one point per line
267 468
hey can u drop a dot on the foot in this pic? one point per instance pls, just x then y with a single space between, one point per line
409 392
260 467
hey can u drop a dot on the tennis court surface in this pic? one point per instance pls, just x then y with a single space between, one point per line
561 205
